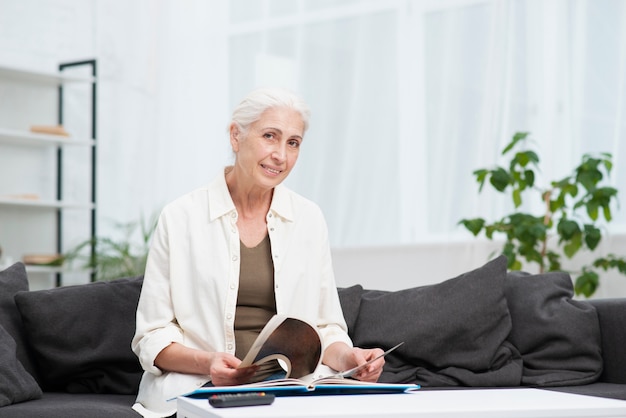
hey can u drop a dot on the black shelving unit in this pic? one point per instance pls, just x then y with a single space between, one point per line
59 185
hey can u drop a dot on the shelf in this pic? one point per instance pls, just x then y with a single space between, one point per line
43 269
17 137
17 197
52 270
44 204
51 78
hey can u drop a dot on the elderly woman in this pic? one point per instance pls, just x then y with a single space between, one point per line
226 257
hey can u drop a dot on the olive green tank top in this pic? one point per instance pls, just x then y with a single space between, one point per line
256 302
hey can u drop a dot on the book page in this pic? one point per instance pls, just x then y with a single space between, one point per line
291 340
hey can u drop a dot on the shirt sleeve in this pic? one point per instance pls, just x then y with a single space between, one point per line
156 325
331 323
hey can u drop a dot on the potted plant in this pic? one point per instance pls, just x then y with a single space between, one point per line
113 258
573 208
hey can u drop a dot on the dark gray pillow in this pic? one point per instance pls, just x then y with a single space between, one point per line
13 280
81 335
350 299
16 384
558 337
454 332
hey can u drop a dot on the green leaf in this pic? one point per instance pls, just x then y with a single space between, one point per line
481 175
608 192
532 157
500 179
517 197
519 136
538 229
571 189
606 210
522 158
561 183
531 254
515 265
473 225
509 251
529 176
587 283
602 197
588 175
575 244
592 236
557 203
592 210
554 260
567 229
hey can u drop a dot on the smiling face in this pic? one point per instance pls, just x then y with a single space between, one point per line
266 153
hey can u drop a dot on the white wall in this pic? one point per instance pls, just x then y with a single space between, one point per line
400 267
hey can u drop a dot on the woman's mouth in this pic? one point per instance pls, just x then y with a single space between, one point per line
271 170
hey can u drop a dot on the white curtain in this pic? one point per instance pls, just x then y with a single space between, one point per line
409 97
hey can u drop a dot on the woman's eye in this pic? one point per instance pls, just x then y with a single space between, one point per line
268 135
294 143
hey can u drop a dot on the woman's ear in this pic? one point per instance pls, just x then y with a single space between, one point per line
235 136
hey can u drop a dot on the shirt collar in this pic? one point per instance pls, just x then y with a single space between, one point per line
221 203
282 204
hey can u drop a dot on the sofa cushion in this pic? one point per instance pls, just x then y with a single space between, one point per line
350 299
66 405
611 313
81 335
454 332
16 384
12 280
558 337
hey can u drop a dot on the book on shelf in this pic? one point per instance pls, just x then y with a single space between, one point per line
49 130
297 345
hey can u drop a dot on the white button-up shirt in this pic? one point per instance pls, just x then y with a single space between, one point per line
189 294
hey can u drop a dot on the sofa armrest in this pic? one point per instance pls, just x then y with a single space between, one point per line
612 317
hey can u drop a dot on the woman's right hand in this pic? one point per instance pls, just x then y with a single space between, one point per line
221 367
224 372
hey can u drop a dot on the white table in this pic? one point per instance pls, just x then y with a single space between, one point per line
475 403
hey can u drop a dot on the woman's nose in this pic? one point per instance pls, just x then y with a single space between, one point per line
279 153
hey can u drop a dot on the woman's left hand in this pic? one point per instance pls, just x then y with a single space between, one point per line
372 371
340 356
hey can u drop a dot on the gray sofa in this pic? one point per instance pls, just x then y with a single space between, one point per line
493 328
65 352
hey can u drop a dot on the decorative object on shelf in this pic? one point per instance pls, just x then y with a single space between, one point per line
573 208
53 260
25 196
49 130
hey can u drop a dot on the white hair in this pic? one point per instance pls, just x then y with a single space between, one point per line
249 110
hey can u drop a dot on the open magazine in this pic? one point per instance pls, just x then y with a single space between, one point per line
292 386
293 342
298 346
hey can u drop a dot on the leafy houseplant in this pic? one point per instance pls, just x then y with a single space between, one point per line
572 210
111 258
